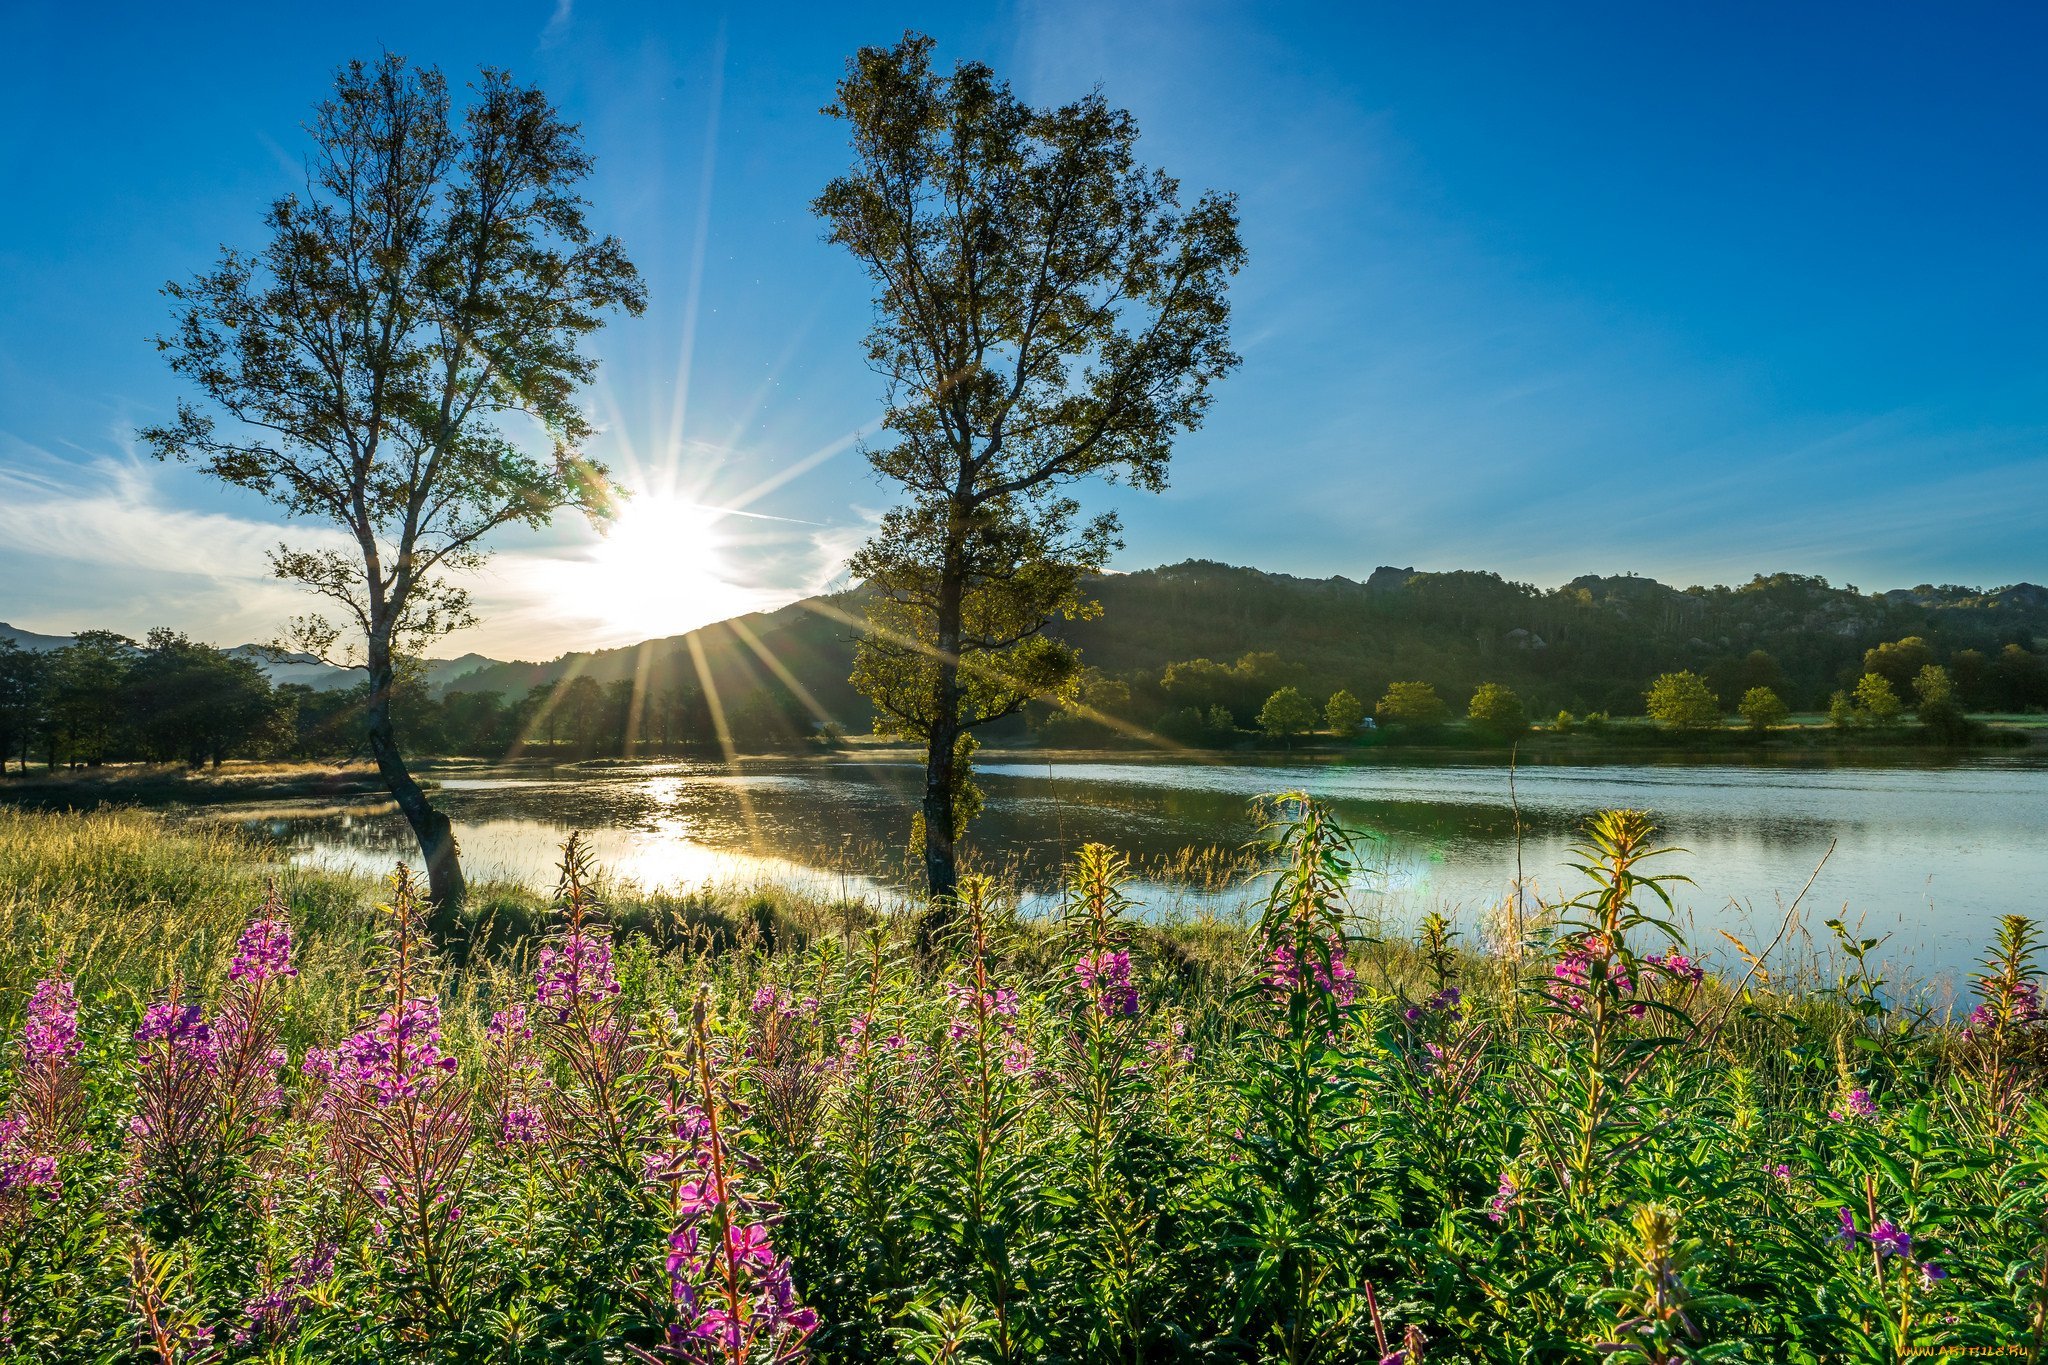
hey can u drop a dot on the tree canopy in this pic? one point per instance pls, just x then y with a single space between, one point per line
1046 311
417 308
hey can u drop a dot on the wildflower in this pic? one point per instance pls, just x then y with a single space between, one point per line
1504 1198
577 969
398 1056
1018 1056
510 1023
1890 1239
522 1126
1328 971
1860 1106
1848 1236
264 951
1680 967
182 1028
1930 1273
1782 1172
1107 976
749 1245
22 1168
51 1030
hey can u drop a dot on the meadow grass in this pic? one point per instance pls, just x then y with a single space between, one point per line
252 1111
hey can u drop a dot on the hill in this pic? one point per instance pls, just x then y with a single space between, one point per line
1591 644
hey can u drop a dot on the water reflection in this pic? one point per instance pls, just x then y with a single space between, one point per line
1930 855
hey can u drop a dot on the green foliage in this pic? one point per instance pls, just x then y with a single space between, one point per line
377 364
1068 1139
1046 311
1413 704
1938 708
1682 701
1876 701
1899 662
1286 714
1842 712
1498 713
1762 709
1343 713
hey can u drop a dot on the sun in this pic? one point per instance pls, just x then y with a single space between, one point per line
663 567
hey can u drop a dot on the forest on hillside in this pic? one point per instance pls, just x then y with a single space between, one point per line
1193 650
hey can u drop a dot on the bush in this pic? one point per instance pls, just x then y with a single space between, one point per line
1497 713
1876 700
1682 701
1761 708
1287 713
1413 704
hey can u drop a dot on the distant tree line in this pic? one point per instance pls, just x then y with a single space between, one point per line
1201 702
108 699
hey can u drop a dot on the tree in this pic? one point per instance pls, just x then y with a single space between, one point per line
1682 701
1287 713
1046 311
1938 709
197 703
1842 711
1899 661
1762 709
1876 700
23 678
1413 704
1344 712
87 704
431 281
1498 712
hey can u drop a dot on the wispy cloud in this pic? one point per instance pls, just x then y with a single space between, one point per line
558 23
101 542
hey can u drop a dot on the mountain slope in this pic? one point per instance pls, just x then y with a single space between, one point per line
1593 643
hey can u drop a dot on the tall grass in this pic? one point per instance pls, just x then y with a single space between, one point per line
745 1125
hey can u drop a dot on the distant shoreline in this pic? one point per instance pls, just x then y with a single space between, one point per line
139 784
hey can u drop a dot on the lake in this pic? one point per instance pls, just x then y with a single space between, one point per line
1930 855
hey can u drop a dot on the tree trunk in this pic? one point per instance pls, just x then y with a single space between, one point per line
941 778
445 887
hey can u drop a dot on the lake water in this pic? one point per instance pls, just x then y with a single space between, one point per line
1929 855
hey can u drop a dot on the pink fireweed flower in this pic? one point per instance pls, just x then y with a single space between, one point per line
576 970
749 1244
1860 1107
264 951
1504 1198
510 1022
522 1126
399 1056
1107 977
22 1167
50 1033
1890 1239
1333 978
1680 967
181 1028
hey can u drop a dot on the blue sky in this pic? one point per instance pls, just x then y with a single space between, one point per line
1691 291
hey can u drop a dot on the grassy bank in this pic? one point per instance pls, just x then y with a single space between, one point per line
746 1124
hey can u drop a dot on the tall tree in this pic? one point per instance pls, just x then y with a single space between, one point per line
23 678
428 289
87 697
1046 310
